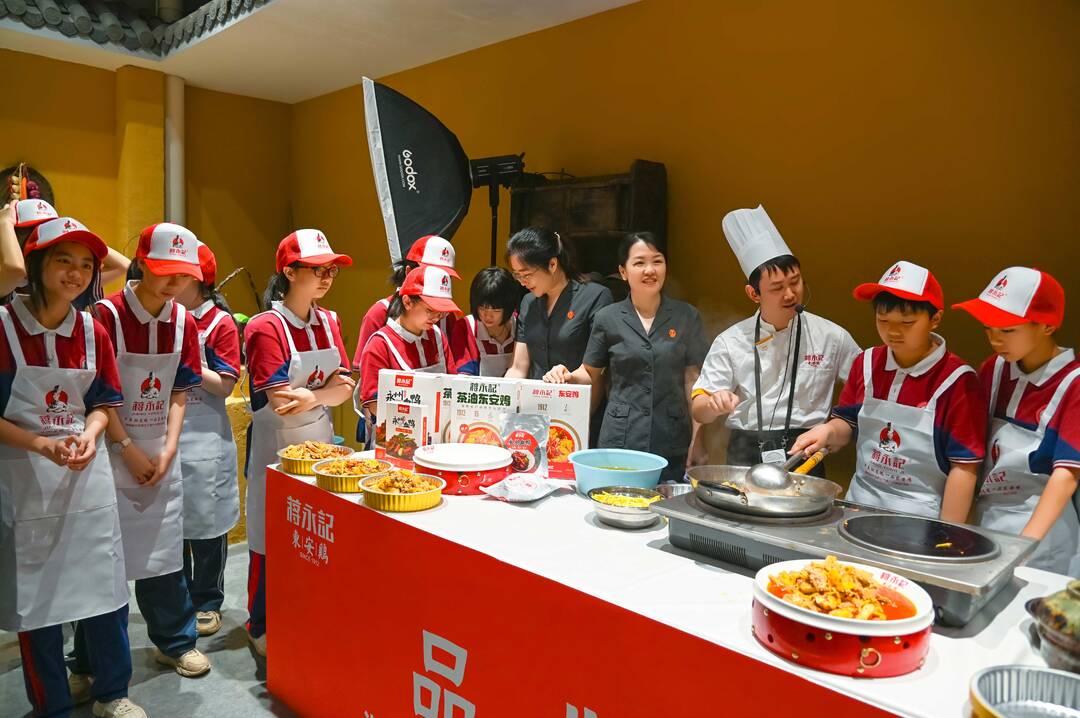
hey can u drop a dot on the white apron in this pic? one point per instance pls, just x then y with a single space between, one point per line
270 432
1011 490
61 557
436 367
151 517
208 453
490 364
896 465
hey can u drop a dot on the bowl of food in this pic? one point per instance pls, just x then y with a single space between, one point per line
616 467
300 459
402 490
343 475
625 507
1005 691
840 617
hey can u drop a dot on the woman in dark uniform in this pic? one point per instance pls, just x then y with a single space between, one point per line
556 317
652 348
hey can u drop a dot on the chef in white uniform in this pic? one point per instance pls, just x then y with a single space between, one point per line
61 556
773 374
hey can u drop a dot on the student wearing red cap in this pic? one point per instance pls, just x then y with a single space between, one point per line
27 214
157 351
431 250
208 450
60 550
914 408
411 339
1029 382
297 368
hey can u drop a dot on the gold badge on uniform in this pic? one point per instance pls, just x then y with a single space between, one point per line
672 333
570 314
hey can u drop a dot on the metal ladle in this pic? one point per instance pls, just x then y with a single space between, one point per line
773 477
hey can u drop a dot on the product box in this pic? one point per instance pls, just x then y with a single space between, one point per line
407 387
568 407
478 408
407 427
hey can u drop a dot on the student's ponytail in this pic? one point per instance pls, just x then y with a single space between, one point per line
276 289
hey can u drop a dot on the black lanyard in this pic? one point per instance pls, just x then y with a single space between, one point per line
757 380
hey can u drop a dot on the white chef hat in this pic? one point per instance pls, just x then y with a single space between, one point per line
753 238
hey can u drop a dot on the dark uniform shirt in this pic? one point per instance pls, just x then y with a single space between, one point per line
561 337
647 406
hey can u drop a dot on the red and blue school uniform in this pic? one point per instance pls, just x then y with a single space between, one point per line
476 353
911 426
41 642
283 351
394 347
1034 429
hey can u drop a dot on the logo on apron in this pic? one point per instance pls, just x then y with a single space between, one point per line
316 379
150 388
995 451
56 401
889 439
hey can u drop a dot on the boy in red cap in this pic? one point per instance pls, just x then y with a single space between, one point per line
1030 480
914 407
157 351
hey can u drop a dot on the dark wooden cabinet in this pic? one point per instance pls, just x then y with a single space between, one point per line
593 214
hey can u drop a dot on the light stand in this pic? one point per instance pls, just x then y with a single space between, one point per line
493 172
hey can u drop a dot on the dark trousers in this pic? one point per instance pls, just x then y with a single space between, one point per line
106 652
204 569
744 447
256 624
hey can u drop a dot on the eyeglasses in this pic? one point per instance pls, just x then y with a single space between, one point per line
522 277
324 271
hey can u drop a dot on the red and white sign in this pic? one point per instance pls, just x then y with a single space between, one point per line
431 629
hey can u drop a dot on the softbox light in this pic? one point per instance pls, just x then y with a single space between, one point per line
421 172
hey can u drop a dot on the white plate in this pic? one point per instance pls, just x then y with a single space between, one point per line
924 605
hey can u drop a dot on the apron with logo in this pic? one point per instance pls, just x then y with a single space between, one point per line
1011 490
208 453
151 517
271 432
896 465
490 364
61 556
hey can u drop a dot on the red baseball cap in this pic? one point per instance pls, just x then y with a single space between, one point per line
308 246
168 249
434 251
432 284
65 229
907 281
1018 295
32 212
208 264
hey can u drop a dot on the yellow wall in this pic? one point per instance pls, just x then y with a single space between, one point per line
944 133
237 166
60 117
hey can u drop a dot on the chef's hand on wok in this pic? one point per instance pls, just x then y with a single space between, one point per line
812 441
82 452
138 463
58 451
559 374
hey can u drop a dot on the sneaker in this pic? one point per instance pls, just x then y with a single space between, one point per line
120 708
207 623
189 665
80 686
259 644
